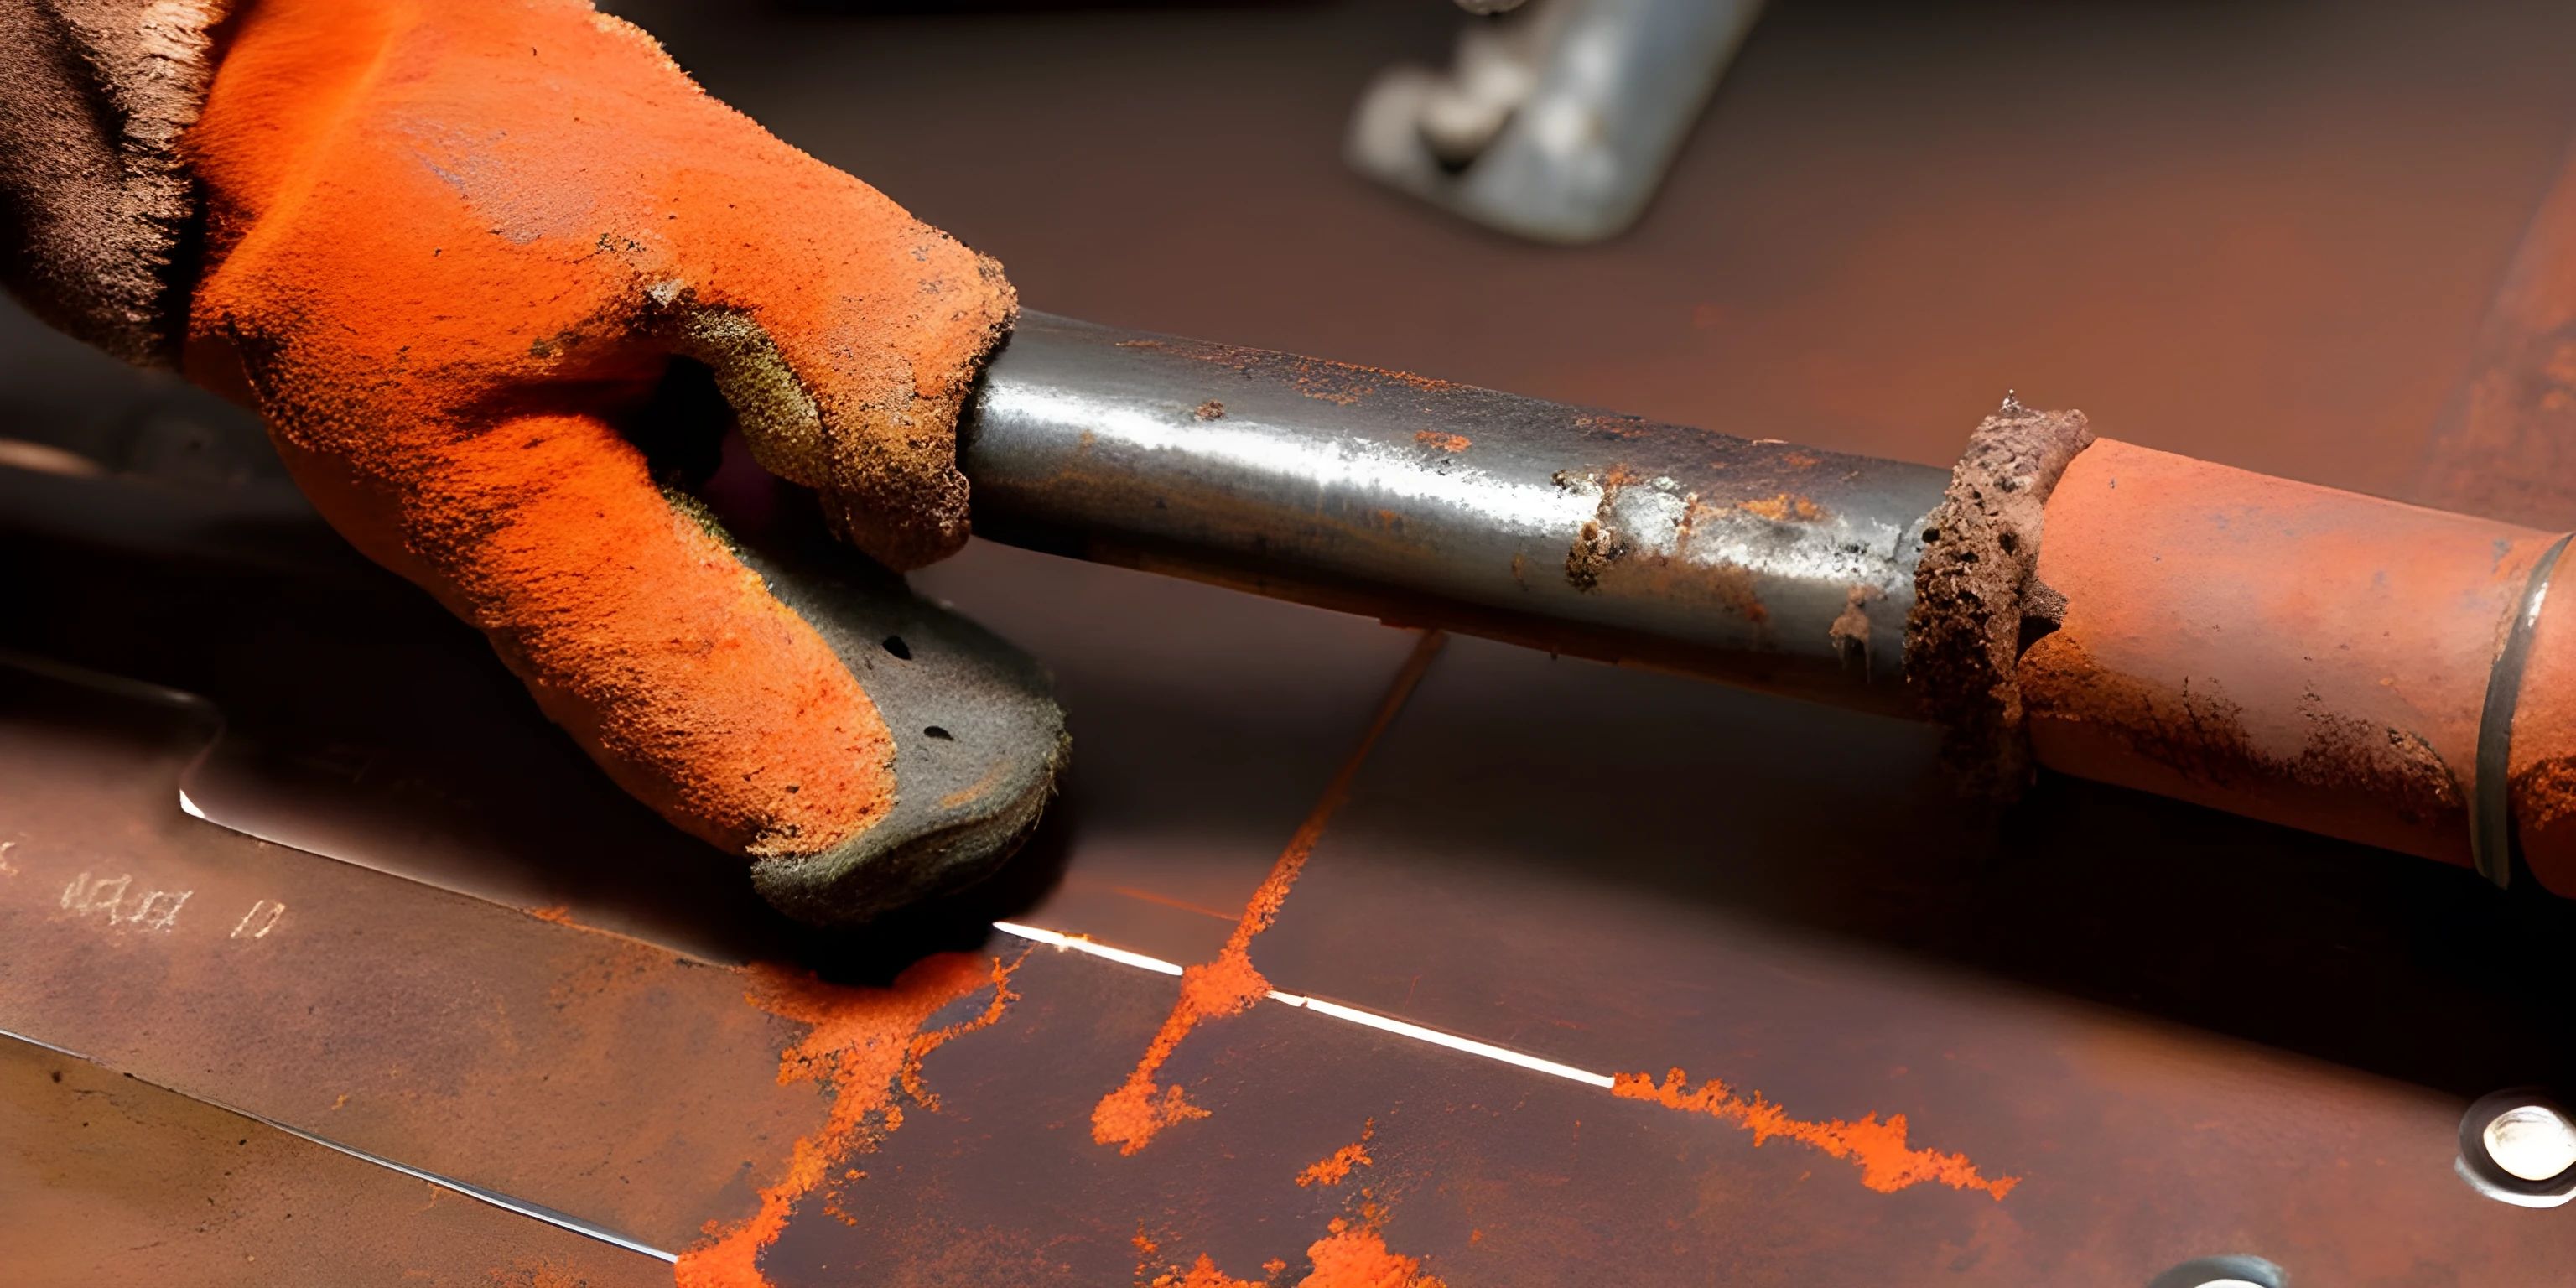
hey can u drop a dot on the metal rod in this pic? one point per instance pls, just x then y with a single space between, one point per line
1435 504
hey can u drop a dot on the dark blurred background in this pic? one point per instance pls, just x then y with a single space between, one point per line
2262 232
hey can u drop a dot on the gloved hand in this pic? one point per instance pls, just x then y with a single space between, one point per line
448 243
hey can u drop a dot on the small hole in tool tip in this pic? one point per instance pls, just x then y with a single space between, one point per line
935 731
894 644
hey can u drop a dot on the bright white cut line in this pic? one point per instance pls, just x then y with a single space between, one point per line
1353 1014
1081 945
189 807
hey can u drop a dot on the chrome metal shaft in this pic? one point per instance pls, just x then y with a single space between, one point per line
1435 504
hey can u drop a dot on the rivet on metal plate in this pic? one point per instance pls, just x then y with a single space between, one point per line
2518 1146
2235 1270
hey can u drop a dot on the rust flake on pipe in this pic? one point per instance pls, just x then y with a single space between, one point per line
1783 508
1973 589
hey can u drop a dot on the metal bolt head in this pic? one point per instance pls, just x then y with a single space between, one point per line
2533 1142
2519 1146
2235 1270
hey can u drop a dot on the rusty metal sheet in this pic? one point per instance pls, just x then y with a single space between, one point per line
108 1180
1455 890
622 1081
2179 1033
1634 877
580 1071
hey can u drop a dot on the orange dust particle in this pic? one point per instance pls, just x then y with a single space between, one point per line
1782 508
1209 410
1334 1168
863 1043
1354 1256
1350 1255
1877 1147
1203 1274
1445 442
1129 1116
560 914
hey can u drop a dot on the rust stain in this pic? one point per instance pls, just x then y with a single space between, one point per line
1333 1168
2542 772
1783 508
1339 383
1599 543
1612 425
1850 628
1130 1116
865 1044
1204 1274
558 913
2199 735
1452 443
2545 793
1351 1254
1733 584
1146 1250
1209 410
1595 548
2292 653
1878 1147
1354 1255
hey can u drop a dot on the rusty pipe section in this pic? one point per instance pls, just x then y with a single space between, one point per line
2333 662
2338 663
1431 503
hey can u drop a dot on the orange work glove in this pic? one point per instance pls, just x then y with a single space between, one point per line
449 241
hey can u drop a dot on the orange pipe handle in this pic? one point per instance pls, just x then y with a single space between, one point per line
2306 656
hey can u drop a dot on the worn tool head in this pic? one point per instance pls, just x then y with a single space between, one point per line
978 741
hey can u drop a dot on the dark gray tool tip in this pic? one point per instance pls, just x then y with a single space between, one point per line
979 743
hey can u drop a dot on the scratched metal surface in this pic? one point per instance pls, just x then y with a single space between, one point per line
110 1180
2183 1034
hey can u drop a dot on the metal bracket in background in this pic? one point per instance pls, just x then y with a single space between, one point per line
1557 120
